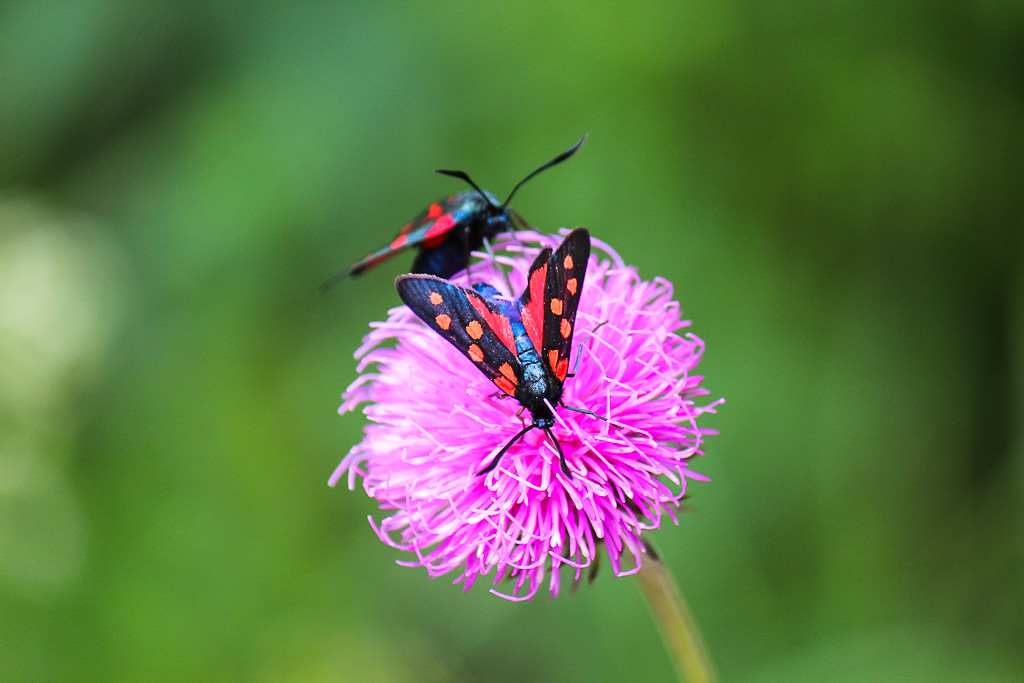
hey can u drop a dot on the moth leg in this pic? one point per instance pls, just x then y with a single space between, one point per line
579 351
469 260
494 262
584 411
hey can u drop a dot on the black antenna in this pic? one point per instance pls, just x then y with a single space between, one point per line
504 449
557 160
558 446
462 174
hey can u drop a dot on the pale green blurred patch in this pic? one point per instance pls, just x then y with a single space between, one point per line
834 190
62 291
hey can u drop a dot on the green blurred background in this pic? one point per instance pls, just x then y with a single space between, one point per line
836 190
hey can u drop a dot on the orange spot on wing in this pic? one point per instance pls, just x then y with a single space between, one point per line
505 386
567 262
571 286
556 306
566 328
435 210
507 370
553 360
399 241
436 298
474 329
443 321
475 353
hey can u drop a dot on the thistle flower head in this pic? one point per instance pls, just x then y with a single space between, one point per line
436 420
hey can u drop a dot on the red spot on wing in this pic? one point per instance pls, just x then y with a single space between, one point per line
505 386
567 262
475 353
443 321
435 210
566 328
553 360
563 369
556 306
442 225
400 241
571 285
436 298
475 330
533 313
499 324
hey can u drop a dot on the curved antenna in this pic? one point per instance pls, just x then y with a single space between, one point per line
463 176
561 455
504 449
557 160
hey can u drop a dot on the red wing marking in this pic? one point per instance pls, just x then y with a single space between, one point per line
443 321
475 353
563 369
505 386
567 262
440 226
533 313
571 286
436 298
556 306
400 241
499 324
553 359
566 328
435 210
433 242
474 329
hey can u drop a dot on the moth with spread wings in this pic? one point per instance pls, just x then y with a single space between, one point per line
522 346
451 228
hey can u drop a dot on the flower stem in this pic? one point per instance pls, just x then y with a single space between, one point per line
677 628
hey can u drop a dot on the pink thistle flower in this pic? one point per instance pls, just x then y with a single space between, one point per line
436 420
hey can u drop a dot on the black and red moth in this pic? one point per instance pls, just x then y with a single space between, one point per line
449 229
523 345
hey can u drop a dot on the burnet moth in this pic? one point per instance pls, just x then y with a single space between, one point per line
522 346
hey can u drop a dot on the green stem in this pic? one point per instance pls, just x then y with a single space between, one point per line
677 628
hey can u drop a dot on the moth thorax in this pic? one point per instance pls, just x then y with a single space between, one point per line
533 374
